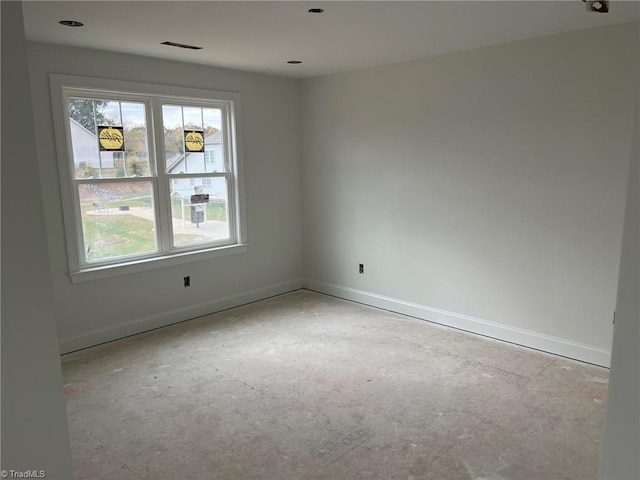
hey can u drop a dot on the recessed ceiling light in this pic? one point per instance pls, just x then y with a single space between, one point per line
315 10
71 23
294 62
598 6
181 45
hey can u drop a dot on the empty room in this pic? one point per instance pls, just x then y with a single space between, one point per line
320 240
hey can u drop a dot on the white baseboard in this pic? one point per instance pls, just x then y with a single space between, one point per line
144 324
527 338
519 336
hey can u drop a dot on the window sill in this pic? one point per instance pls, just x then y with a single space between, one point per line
137 266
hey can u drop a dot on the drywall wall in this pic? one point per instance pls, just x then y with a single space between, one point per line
100 310
34 423
621 442
483 189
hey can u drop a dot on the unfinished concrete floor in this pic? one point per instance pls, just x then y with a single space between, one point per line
306 386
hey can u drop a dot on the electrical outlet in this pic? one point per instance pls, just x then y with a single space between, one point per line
187 281
361 268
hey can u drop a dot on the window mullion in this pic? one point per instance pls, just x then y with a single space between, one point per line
161 186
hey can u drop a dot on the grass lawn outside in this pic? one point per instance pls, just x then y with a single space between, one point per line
109 236
215 210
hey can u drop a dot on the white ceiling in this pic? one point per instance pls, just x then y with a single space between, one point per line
260 36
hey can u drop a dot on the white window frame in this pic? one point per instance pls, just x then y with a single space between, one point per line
153 96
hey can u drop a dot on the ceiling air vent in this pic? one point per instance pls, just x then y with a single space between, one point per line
71 23
181 45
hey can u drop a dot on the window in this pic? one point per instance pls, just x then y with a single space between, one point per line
148 173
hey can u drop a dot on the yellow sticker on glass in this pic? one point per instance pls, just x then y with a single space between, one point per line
111 139
194 141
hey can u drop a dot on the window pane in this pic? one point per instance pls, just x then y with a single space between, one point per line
193 139
196 223
118 219
109 113
213 146
137 159
212 118
83 112
126 156
192 117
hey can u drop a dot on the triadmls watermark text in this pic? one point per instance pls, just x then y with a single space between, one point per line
23 474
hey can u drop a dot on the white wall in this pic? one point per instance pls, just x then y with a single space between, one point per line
34 428
104 309
482 189
621 442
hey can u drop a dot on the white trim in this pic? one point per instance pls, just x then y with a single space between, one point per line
185 94
519 336
153 96
63 140
151 322
151 263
